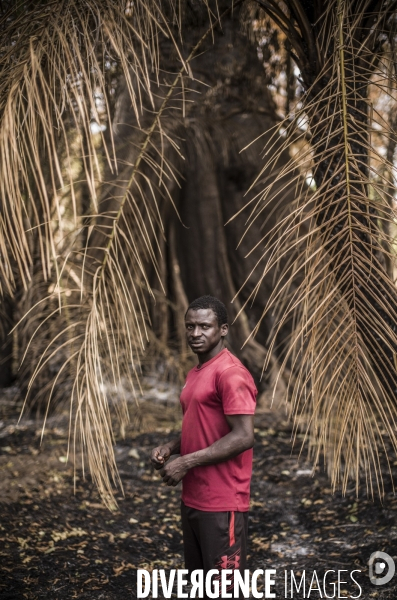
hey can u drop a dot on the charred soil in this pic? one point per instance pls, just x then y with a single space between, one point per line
59 542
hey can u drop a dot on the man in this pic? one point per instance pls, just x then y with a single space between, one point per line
218 403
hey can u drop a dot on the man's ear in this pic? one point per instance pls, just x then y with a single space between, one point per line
224 329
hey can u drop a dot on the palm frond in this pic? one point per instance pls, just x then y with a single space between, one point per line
56 65
332 250
96 311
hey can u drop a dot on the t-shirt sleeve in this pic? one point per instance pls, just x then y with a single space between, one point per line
237 391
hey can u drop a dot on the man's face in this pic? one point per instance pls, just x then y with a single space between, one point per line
203 332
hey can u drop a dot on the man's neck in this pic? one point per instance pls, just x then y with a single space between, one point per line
203 358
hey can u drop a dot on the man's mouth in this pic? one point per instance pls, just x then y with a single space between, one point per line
196 343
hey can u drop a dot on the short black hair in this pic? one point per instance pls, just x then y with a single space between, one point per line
210 302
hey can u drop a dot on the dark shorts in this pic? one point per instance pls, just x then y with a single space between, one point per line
214 540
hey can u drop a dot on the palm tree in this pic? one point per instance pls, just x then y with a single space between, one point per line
90 228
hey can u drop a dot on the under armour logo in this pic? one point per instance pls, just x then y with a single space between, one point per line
232 561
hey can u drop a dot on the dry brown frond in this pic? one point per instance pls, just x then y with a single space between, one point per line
95 310
332 250
56 64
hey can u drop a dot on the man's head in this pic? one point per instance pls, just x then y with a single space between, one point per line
206 324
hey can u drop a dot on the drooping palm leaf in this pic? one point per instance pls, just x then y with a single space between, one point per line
336 289
57 60
54 63
96 312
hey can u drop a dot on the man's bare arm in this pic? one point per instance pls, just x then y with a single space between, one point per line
161 454
240 438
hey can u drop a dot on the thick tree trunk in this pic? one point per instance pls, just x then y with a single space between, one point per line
197 253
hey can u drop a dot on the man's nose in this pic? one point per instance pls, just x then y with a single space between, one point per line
196 332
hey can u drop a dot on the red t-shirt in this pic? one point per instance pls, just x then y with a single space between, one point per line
221 386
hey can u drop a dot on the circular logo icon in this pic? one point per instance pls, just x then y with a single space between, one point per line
381 568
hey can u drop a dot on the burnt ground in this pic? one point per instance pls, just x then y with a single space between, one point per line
59 544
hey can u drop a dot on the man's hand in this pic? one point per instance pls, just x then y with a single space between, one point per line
160 455
174 471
